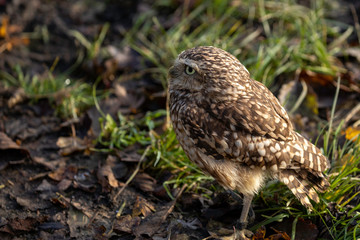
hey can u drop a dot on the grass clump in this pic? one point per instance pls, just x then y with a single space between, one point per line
339 208
164 153
210 23
70 98
270 38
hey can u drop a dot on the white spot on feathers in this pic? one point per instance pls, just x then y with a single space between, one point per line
277 147
251 146
262 152
274 168
285 180
238 143
272 149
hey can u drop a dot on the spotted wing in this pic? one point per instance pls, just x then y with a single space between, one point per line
256 111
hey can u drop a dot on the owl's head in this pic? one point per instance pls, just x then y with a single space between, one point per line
206 69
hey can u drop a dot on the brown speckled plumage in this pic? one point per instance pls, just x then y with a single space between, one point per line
235 129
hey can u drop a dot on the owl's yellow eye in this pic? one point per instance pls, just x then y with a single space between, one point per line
189 70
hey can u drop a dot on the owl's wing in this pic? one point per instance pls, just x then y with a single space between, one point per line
227 131
257 112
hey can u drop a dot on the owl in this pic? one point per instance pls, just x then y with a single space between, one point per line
236 130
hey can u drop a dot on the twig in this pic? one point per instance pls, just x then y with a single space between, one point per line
171 208
301 97
354 111
132 175
356 21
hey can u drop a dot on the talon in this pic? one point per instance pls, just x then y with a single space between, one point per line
243 234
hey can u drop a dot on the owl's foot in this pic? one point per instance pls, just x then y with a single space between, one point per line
243 234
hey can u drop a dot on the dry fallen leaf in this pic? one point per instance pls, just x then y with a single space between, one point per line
63 172
18 97
85 180
11 41
11 152
106 176
126 224
259 234
143 207
145 182
16 225
52 165
352 133
279 235
316 78
70 145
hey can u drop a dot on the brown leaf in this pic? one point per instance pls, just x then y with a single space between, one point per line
120 170
64 184
143 207
259 234
30 202
70 145
316 78
18 97
25 225
145 182
61 173
352 133
30 128
52 165
11 152
6 142
126 224
151 224
279 235
57 175
60 202
106 175
45 186
10 41
85 180
130 99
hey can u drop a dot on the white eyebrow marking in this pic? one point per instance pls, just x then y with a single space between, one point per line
189 62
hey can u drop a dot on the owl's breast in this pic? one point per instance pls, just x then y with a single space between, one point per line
191 124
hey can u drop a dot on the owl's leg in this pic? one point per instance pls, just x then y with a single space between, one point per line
241 233
240 200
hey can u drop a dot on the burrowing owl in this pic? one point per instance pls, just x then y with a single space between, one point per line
235 129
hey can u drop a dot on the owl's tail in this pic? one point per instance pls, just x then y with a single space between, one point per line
307 155
304 175
303 185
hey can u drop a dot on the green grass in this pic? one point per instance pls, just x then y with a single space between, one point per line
296 37
341 220
93 49
69 97
335 204
164 153
272 39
